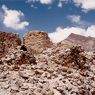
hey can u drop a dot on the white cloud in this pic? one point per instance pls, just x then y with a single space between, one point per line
74 18
32 6
91 31
46 1
60 4
86 5
62 33
41 1
12 19
78 21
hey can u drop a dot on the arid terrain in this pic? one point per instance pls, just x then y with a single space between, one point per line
36 66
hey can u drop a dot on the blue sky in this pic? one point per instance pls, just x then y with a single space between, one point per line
46 15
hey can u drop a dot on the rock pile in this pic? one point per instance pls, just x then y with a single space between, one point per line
73 70
46 77
76 56
38 41
54 71
17 57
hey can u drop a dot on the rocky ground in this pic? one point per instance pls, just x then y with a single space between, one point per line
55 71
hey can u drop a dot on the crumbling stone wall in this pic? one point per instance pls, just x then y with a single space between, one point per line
8 40
38 41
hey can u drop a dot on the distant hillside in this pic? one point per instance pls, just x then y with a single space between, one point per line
88 43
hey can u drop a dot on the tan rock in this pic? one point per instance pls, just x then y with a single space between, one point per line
38 41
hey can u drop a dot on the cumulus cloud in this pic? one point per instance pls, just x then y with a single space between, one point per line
74 18
86 5
41 1
60 4
91 31
78 21
62 33
46 1
12 19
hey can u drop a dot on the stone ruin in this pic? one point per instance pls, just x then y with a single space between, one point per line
55 70
12 51
7 41
37 41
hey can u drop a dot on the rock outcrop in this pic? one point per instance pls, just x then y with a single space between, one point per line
17 56
48 77
7 41
58 70
11 50
88 43
37 41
